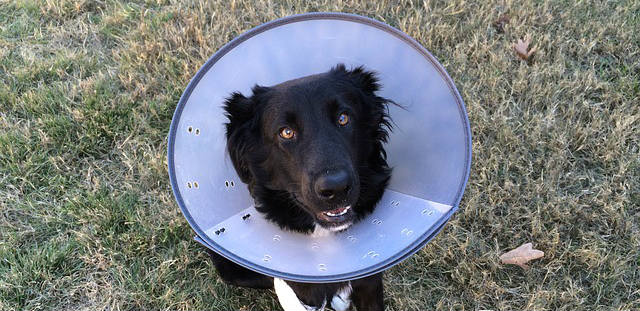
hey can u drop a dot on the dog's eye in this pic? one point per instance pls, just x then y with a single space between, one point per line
343 119
287 133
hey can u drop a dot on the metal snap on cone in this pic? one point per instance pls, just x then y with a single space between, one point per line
429 148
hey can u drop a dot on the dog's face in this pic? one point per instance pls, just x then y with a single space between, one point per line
310 149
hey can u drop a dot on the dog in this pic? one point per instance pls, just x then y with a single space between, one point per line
311 153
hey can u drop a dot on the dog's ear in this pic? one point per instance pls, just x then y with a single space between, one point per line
365 80
240 112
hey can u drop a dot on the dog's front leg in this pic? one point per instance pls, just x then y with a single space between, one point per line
368 293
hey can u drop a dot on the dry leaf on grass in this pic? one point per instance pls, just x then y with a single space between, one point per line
521 255
522 48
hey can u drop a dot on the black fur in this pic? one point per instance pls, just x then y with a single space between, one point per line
284 174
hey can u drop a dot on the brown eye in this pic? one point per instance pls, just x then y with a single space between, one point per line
343 119
287 133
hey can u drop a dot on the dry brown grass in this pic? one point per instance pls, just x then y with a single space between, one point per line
88 89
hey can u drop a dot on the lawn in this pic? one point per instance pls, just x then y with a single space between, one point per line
88 88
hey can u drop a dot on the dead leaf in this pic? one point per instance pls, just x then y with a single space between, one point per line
521 255
522 48
501 22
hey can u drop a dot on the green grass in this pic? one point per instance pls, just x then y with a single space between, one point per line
88 88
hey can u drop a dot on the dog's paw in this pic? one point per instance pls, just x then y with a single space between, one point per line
342 299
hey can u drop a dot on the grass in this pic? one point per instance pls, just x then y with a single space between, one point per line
88 89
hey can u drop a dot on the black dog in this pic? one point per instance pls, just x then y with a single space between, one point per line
310 151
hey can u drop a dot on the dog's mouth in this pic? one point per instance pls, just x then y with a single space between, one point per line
336 219
337 212
341 217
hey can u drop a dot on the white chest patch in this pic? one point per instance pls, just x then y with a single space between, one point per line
290 302
319 232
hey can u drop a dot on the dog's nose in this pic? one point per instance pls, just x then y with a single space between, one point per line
333 185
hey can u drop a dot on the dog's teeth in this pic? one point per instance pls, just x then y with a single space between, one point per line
342 212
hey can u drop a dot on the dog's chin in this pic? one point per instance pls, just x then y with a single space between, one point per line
333 227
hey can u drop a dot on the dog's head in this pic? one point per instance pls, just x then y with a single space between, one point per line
310 149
